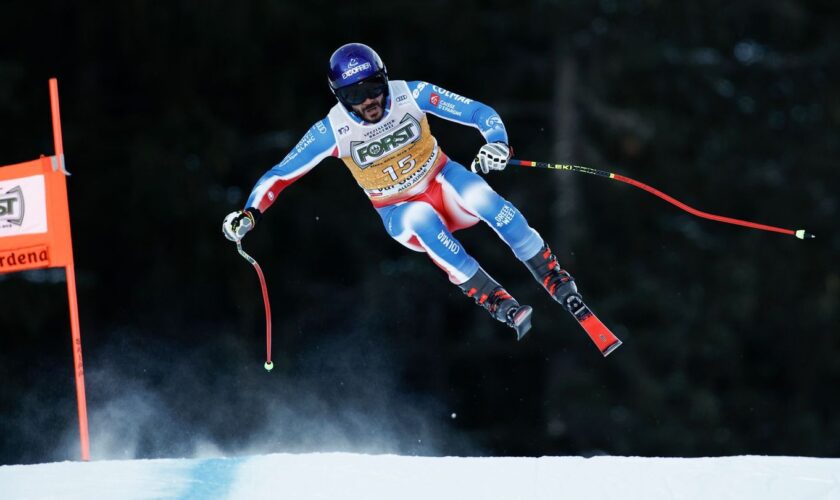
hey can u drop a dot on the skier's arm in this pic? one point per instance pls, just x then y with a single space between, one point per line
316 144
459 109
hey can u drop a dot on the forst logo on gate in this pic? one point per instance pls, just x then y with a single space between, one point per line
365 153
12 206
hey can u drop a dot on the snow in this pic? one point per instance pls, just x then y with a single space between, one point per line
354 476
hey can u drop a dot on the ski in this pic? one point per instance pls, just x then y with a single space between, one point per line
603 338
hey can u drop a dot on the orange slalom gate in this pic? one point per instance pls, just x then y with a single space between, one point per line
35 233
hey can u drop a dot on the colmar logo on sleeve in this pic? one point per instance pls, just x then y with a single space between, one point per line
451 95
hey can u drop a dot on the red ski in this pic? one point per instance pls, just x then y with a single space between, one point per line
603 338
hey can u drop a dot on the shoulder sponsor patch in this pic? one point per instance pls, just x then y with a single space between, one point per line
420 87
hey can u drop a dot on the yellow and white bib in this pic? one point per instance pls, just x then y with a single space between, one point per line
393 156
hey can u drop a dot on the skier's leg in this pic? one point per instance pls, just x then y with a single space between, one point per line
465 190
416 225
468 191
419 227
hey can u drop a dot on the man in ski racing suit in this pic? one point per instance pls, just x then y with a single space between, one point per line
380 129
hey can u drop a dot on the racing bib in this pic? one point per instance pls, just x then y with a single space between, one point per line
392 156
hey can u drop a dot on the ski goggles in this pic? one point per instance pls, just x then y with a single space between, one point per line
366 89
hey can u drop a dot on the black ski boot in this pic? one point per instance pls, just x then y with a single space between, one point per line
556 281
501 305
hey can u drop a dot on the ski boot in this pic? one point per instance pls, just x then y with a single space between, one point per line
561 286
501 305
556 281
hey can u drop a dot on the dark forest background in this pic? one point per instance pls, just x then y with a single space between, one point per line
172 111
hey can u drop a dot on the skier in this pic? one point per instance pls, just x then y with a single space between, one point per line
380 130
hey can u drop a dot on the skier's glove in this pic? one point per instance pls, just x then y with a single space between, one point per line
238 223
491 156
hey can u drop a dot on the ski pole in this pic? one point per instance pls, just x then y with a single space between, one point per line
799 233
268 364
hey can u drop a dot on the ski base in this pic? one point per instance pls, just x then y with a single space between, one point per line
603 338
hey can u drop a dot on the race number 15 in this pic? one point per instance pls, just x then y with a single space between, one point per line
405 166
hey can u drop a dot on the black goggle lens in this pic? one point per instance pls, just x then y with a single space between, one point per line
367 89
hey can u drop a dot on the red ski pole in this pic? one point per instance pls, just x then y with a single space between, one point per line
268 364
799 233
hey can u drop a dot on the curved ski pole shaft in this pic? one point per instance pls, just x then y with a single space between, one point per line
268 364
799 233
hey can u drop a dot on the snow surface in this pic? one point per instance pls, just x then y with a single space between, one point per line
369 477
